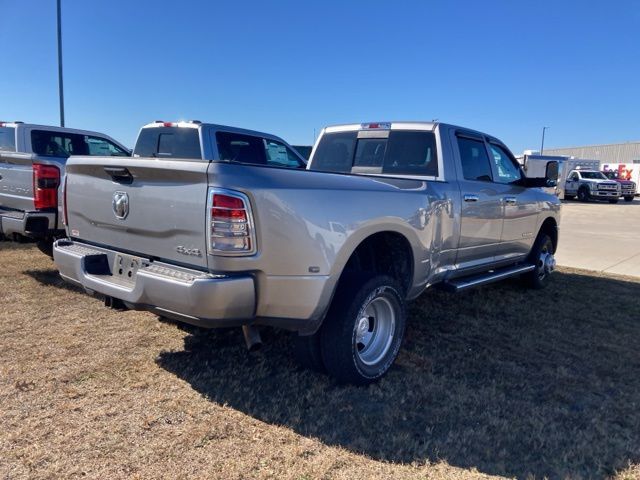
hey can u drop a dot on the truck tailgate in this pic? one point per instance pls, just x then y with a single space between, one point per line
16 181
154 208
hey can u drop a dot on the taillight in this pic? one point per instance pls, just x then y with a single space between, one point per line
46 180
230 223
65 215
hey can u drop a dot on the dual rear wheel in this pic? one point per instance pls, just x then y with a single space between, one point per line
361 336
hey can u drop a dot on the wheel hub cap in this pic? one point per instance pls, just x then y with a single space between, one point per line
374 330
363 328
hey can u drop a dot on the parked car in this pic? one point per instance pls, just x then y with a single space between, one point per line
591 185
333 253
32 164
627 187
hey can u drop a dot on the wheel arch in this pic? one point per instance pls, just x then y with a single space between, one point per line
550 227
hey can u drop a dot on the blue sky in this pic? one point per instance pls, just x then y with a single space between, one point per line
291 67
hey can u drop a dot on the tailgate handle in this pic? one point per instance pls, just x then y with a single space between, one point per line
119 174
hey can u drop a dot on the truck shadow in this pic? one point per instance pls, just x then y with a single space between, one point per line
50 277
509 381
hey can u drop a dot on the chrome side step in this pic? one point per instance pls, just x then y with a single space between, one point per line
463 283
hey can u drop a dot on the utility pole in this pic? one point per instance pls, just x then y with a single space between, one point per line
60 84
542 146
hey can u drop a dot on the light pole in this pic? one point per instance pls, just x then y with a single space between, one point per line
542 146
60 84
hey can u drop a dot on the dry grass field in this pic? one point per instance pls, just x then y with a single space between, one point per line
500 381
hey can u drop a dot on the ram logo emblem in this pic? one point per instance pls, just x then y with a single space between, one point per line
120 205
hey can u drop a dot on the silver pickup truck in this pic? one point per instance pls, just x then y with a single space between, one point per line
32 162
382 212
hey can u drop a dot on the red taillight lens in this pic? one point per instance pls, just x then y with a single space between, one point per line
46 180
230 224
65 216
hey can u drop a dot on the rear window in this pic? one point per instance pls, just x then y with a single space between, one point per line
236 147
7 139
63 144
402 153
168 142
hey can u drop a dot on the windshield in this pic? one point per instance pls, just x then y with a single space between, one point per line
7 139
593 175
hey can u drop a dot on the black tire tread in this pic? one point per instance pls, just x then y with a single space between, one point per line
337 331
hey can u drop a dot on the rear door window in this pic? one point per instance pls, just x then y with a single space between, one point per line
103 147
475 161
172 142
403 152
236 147
63 144
7 139
58 144
279 155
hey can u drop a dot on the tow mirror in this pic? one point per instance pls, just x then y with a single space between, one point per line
551 175
538 169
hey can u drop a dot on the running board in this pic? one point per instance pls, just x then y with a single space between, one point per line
463 283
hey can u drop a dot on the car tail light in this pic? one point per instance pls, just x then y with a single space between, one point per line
230 223
65 215
46 180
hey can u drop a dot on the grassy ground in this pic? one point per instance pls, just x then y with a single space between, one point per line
499 381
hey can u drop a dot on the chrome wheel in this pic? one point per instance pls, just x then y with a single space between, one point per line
546 262
374 330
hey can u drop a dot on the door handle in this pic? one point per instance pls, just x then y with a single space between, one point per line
119 174
510 200
471 198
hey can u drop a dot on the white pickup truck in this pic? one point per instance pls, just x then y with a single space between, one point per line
32 162
244 235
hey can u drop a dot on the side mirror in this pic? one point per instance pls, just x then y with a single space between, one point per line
551 175
550 178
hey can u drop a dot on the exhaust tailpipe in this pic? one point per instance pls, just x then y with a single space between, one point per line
114 303
252 337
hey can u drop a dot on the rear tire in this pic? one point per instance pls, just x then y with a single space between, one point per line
583 194
628 199
361 336
539 277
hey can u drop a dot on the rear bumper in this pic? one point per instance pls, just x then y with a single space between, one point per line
191 296
29 224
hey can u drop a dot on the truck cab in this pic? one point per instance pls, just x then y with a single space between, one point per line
32 169
591 185
627 186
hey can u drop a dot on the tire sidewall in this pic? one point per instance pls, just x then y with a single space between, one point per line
379 369
533 277
338 332
583 194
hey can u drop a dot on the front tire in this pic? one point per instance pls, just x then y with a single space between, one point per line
361 336
613 201
628 199
542 257
583 194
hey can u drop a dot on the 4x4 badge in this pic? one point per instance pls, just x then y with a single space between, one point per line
120 205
